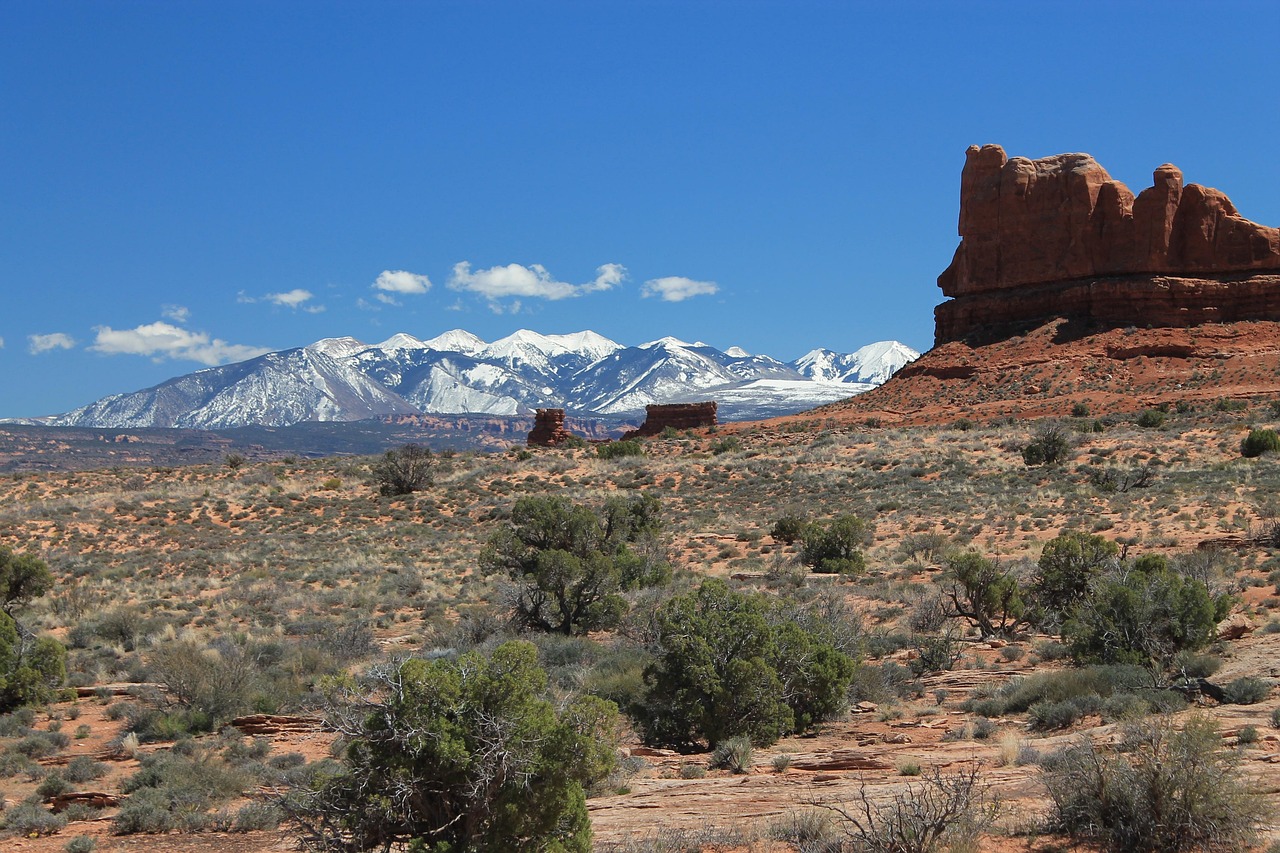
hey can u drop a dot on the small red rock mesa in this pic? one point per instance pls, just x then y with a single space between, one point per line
548 429
1058 237
677 416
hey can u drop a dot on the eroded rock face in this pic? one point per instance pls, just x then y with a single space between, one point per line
1060 237
677 416
548 429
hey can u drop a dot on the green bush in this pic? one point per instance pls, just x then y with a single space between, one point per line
81 844
1049 445
1258 442
465 752
1067 568
1144 617
731 664
29 818
1151 418
732 754
1161 790
620 449
836 547
1246 691
572 563
788 529
403 470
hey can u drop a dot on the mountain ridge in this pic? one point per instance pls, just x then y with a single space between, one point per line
456 372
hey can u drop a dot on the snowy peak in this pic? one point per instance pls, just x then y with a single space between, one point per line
337 348
455 340
873 363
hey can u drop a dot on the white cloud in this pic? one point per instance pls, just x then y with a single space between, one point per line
676 288
401 281
386 299
176 313
162 340
1 343
290 299
37 344
531 281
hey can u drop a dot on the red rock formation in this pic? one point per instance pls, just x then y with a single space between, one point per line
1059 237
548 429
677 416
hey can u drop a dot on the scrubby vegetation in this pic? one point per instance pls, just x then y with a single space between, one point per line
753 600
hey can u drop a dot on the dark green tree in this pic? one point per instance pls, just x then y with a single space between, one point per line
570 563
22 578
988 596
836 547
1068 566
31 668
727 666
462 756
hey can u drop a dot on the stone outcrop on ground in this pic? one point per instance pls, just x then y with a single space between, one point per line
659 417
1059 237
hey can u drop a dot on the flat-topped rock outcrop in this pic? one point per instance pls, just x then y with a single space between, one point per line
1059 236
660 416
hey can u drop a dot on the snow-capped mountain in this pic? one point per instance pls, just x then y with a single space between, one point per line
872 364
343 379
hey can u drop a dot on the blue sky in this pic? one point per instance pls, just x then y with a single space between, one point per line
186 183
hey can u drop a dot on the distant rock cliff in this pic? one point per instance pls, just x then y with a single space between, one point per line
1058 237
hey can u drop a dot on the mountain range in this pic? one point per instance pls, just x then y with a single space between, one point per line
588 375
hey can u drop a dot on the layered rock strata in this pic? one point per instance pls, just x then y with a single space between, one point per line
1060 237
659 417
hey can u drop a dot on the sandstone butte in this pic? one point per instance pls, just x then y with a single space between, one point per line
1059 237
660 416
1068 289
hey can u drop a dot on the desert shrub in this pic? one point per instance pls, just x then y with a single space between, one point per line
1144 617
257 816
403 470
83 769
29 818
620 449
1163 790
1049 444
145 811
570 564
935 652
724 667
1258 442
836 547
938 812
732 754
466 752
1151 418
1058 699
728 444
213 682
30 670
81 844
810 831
1245 691
1047 716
